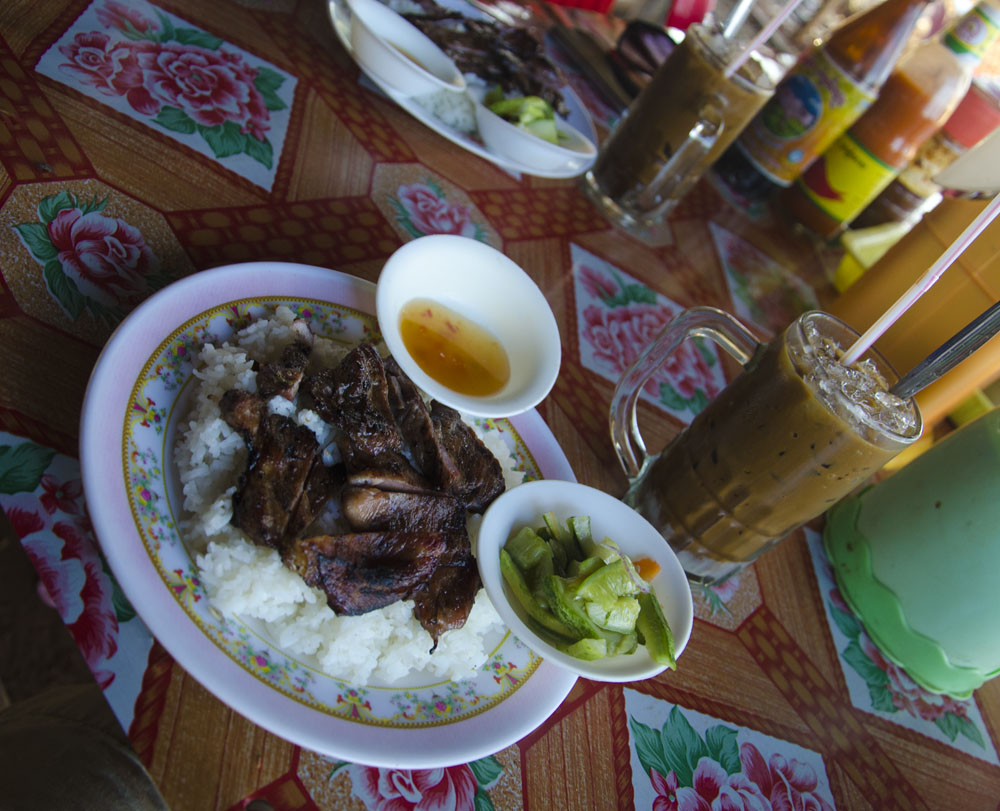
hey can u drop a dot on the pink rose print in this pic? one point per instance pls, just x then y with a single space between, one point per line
211 87
430 213
786 783
105 257
73 578
670 797
414 790
113 70
24 521
597 283
61 495
727 589
778 784
125 19
179 76
618 334
906 694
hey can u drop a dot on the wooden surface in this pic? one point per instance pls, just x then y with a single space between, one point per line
765 660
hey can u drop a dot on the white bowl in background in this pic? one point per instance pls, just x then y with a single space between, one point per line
574 151
399 54
482 284
609 517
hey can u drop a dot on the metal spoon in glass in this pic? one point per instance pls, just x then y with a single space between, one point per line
950 353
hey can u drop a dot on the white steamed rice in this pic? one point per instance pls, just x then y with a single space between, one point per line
454 109
250 582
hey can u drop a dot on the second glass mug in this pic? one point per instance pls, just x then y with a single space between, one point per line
675 129
776 448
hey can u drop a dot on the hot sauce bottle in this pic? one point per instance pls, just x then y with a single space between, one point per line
914 189
820 97
915 101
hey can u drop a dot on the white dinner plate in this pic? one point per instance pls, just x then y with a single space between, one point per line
340 15
137 394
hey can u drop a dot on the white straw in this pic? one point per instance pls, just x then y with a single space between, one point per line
923 284
760 39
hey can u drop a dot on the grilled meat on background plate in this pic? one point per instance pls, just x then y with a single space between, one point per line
499 54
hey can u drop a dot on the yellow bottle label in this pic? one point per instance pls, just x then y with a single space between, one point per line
972 35
845 179
811 107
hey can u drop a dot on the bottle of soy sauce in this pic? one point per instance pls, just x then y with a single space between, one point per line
819 98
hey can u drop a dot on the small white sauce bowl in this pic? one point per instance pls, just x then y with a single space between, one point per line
574 151
524 505
488 288
399 54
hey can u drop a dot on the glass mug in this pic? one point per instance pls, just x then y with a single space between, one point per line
779 445
674 131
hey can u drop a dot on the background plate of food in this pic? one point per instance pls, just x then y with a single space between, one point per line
453 115
161 463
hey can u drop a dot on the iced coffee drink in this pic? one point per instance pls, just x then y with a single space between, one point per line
784 441
688 104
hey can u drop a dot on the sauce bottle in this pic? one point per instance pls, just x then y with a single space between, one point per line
819 98
914 189
915 101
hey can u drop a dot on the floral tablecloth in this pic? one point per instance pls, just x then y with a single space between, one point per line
142 142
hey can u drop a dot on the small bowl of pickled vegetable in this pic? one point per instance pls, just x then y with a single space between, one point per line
528 131
585 581
468 325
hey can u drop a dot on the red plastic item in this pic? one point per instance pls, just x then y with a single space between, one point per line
600 6
975 118
684 12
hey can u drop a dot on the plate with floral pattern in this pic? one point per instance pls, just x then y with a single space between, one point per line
577 117
134 402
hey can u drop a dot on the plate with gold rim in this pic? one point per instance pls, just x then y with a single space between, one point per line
577 117
138 393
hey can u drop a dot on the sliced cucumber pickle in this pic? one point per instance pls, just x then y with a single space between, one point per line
589 607
652 626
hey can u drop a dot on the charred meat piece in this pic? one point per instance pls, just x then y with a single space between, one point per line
481 478
284 375
369 570
322 484
445 601
370 508
401 481
354 396
417 428
282 454
243 411
285 485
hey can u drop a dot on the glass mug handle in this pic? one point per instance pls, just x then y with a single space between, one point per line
694 322
700 139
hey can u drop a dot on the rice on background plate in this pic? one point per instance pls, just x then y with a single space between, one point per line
249 581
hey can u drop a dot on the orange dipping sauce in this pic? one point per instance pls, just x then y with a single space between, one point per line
453 350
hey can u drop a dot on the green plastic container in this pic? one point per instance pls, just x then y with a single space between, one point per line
917 558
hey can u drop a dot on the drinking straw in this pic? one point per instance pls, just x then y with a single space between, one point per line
760 39
923 284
